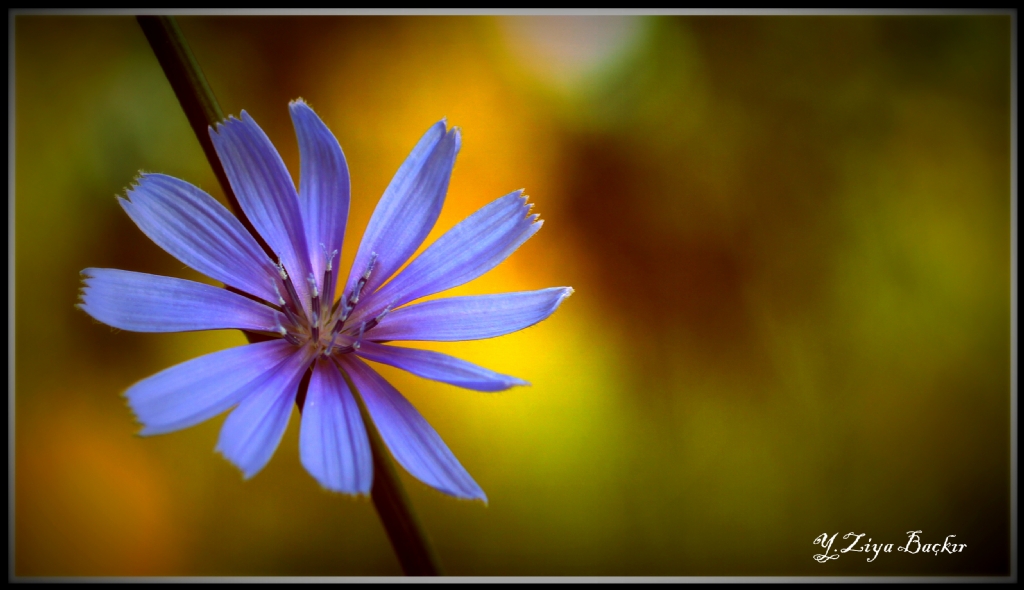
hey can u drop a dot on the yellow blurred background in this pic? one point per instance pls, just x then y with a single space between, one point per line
789 239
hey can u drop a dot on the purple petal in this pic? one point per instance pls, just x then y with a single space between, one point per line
199 389
197 230
409 208
468 250
253 430
323 189
438 367
150 303
411 440
265 192
332 441
469 318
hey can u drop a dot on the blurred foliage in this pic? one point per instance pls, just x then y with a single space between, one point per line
789 239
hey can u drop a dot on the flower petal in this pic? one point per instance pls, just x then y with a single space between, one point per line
332 441
438 367
471 248
265 192
199 389
409 208
323 188
253 430
412 441
197 230
150 303
469 318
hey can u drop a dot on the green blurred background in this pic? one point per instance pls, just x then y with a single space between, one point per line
789 239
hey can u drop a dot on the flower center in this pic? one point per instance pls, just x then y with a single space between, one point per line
322 325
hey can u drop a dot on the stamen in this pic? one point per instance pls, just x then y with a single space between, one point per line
327 300
315 307
372 323
291 315
353 299
329 257
296 304
345 310
280 300
355 345
330 345
363 279
291 338
311 280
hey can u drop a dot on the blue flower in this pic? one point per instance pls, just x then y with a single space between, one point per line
292 300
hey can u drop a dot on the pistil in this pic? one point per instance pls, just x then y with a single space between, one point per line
298 327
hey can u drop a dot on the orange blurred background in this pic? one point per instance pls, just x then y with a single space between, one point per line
789 239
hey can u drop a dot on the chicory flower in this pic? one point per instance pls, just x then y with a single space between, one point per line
290 298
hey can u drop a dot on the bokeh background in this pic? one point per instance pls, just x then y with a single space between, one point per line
789 239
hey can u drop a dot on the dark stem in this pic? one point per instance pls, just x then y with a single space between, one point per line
196 99
407 536
200 106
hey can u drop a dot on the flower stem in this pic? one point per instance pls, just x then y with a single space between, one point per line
201 107
194 95
407 536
